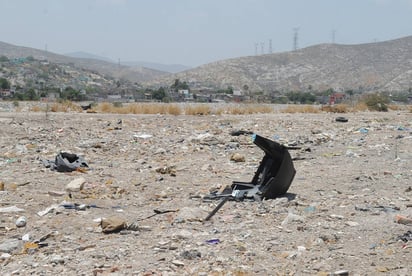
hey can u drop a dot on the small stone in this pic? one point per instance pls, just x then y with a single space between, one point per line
341 273
5 256
183 235
113 224
178 263
237 157
21 221
10 245
190 214
207 167
190 254
352 223
76 185
57 259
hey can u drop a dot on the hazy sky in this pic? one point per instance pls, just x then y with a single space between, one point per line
195 32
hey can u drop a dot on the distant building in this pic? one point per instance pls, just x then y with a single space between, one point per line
336 98
114 97
185 94
5 93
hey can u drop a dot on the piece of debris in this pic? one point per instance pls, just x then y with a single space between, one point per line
272 179
87 107
171 170
11 209
48 210
190 254
240 132
403 220
66 162
341 119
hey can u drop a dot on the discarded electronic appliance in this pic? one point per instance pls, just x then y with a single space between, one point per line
272 178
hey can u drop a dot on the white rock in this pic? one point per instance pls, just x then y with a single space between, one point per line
76 185
21 221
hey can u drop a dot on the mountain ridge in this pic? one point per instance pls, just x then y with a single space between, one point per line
132 74
375 66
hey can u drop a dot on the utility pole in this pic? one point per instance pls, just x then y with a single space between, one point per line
333 36
270 46
256 49
262 48
295 38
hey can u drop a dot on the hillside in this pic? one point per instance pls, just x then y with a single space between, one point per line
135 74
364 67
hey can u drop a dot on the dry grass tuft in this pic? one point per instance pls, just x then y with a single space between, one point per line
339 108
301 109
174 109
198 109
36 108
105 108
360 107
242 109
65 106
140 108
179 109
399 107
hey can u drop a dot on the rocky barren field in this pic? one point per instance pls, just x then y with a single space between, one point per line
138 209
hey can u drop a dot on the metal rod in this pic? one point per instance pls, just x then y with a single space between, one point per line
217 208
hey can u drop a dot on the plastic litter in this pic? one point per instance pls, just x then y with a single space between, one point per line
213 241
406 237
66 162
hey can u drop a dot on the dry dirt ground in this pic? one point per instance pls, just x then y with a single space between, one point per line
152 171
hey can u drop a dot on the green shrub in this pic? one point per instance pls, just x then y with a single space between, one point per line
376 102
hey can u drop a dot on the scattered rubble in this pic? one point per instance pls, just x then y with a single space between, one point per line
139 206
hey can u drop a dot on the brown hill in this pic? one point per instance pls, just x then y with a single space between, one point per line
135 74
364 67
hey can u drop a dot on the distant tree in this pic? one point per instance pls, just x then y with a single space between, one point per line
70 94
376 101
349 92
159 94
228 90
4 83
30 95
328 92
4 59
178 85
301 97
